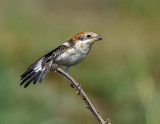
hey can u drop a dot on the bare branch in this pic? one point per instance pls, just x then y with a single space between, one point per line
80 91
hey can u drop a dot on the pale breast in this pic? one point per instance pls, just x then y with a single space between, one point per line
70 57
74 55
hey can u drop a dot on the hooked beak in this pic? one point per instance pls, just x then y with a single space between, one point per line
98 38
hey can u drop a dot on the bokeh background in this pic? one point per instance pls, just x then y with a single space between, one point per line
121 74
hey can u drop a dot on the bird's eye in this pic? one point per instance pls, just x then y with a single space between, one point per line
88 36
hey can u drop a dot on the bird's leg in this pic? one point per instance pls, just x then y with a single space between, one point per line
67 69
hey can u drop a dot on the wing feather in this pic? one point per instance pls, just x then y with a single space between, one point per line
38 71
37 76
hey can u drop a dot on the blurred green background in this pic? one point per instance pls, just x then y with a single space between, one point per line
121 74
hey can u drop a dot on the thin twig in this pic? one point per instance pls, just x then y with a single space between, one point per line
80 91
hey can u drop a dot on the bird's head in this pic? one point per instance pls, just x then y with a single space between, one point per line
86 37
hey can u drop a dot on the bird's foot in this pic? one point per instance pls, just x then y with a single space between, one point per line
54 67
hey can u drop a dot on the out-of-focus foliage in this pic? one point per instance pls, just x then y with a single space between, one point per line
121 75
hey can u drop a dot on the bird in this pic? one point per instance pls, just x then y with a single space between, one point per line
70 53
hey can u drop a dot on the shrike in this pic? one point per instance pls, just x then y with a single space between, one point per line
68 54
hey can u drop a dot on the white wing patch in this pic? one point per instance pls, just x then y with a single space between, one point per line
38 66
38 71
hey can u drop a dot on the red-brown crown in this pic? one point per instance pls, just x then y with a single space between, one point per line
78 35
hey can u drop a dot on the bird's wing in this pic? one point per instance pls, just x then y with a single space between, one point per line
38 71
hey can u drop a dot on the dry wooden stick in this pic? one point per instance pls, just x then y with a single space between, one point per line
80 91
